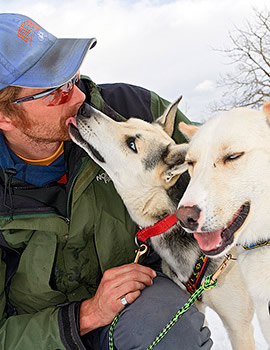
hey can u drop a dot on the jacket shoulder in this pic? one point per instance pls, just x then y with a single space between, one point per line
134 101
128 100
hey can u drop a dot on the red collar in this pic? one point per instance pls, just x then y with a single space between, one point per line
157 229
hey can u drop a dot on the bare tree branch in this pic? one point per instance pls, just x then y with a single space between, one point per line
249 84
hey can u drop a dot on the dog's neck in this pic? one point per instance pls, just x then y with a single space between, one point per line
147 211
148 207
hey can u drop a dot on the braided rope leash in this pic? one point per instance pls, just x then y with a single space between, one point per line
209 283
111 331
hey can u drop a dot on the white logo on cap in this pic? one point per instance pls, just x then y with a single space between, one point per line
41 35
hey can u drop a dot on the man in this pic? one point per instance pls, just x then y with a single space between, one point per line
66 240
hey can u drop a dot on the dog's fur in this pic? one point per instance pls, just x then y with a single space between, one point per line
227 200
145 165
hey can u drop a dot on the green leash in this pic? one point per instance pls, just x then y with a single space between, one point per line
209 283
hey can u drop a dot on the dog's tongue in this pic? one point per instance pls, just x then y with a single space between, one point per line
208 240
71 120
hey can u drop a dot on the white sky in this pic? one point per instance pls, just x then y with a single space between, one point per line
165 46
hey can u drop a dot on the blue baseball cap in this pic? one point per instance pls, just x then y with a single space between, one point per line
32 57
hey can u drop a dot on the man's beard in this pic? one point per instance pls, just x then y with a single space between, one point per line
36 132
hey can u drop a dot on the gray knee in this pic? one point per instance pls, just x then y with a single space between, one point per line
142 321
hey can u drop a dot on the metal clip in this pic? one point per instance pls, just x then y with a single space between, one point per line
140 251
221 268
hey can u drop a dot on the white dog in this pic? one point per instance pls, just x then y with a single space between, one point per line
227 202
145 165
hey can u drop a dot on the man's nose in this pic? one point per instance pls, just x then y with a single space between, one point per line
78 96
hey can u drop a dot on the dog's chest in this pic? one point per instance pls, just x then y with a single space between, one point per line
180 254
255 266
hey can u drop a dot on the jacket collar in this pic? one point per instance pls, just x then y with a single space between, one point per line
37 175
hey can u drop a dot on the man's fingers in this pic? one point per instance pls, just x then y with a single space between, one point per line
133 277
129 298
129 287
124 281
127 274
116 271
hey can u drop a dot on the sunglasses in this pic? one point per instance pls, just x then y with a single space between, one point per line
55 96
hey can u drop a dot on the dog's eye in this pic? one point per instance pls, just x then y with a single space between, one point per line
233 157
131 144
189 163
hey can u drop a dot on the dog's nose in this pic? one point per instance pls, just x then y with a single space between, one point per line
189 216
85 110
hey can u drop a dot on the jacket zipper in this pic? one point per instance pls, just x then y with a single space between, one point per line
69 201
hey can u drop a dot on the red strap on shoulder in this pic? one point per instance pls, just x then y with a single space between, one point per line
157 229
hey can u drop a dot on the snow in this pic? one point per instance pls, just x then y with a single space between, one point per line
220 337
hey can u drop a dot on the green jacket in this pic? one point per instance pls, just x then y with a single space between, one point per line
63 237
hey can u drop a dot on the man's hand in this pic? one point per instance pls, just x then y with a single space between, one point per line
127 280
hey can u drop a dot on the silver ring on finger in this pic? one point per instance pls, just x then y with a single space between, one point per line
124 301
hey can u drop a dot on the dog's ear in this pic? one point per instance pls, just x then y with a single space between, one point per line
266 110
168 117
187 130
175 161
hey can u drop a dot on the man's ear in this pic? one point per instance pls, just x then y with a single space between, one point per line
168 117
187 130
5 122
175 160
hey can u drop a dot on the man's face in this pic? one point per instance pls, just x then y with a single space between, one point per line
43 123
